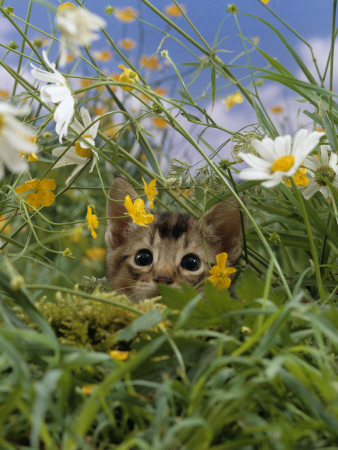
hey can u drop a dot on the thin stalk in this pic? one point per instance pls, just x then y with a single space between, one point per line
22 45
311 241
84 295
333 28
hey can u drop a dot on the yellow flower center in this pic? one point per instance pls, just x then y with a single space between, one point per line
283 164
66 6
83 152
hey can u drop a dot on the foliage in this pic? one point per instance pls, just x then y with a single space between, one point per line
252 367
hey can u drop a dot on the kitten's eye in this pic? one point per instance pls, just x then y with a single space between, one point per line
144 257
190 262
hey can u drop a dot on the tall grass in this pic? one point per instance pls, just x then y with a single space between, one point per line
250 368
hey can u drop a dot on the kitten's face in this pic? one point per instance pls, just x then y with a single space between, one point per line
170 250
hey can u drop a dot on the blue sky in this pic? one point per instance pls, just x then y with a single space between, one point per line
310 18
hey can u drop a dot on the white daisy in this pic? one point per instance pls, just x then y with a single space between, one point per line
327 167
279 158
76 25
82 151
15 139
56 92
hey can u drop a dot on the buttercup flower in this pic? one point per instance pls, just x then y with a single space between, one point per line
173 11
96 253
15 139
81 153
137 212
5 229
58 92
30 157
327 167
38 192
92 222
159 123
220 274
127 44
300 178
128 76
150 62
276 109
102 55
77 26
265 1
232 100
279 158
88 389
126 14
4 93
150 191
119 354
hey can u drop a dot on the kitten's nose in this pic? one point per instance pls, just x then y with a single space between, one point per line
162 278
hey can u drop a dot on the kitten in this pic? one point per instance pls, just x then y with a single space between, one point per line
170 250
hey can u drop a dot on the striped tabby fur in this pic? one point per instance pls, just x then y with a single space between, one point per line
175 242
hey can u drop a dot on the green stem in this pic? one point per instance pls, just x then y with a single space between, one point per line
311 241
84 295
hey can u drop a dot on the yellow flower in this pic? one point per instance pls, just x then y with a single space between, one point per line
150 191
220 274
159 122
4 94
103 55
126 14
299 178
119 354
30 156
232 100
128 76
41 194
276 109
255 40
137 212
92 221
127 44
88 389
96 253
265 1
150 62
173 11
5 229
69 58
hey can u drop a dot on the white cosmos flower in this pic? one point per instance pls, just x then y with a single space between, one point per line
15 139
279 158
76 25
81 153
58 92
327 167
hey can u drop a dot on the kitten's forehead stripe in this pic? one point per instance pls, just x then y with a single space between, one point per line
172 225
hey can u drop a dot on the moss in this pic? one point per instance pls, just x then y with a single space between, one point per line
89 323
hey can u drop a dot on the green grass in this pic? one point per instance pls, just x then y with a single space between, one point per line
251 368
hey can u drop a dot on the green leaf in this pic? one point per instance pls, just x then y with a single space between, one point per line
142 323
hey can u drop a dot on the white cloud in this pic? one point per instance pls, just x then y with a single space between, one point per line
321 49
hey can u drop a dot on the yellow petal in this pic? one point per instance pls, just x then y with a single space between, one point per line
30 185
221 259
119 354
48 184
128 204
33 200
46 198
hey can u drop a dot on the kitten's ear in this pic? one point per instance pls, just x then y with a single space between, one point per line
223 222
118 222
